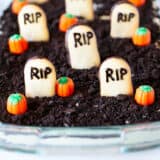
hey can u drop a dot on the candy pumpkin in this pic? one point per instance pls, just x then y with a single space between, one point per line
142 37
66 21
17 44
17 5
145 95
64 87
16 104
138 3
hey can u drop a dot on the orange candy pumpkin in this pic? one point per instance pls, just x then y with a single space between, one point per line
145 95
142 37
17 44
16 104
66 21
17 5
65 87
138 3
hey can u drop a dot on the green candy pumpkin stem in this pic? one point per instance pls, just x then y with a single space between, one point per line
63 80
16 37
15 98
146 88
68 15
142 31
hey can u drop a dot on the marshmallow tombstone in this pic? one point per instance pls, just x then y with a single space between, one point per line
124 20
80 8
81 43
115 78
33 23
38 1
40 78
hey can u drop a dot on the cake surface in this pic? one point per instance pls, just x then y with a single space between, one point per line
86 107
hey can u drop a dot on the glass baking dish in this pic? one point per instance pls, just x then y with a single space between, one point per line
47 140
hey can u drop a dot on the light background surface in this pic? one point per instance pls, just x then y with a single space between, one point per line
103 154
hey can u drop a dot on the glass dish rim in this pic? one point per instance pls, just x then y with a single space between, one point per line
44 139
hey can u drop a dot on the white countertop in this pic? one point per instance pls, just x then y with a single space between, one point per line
144 155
